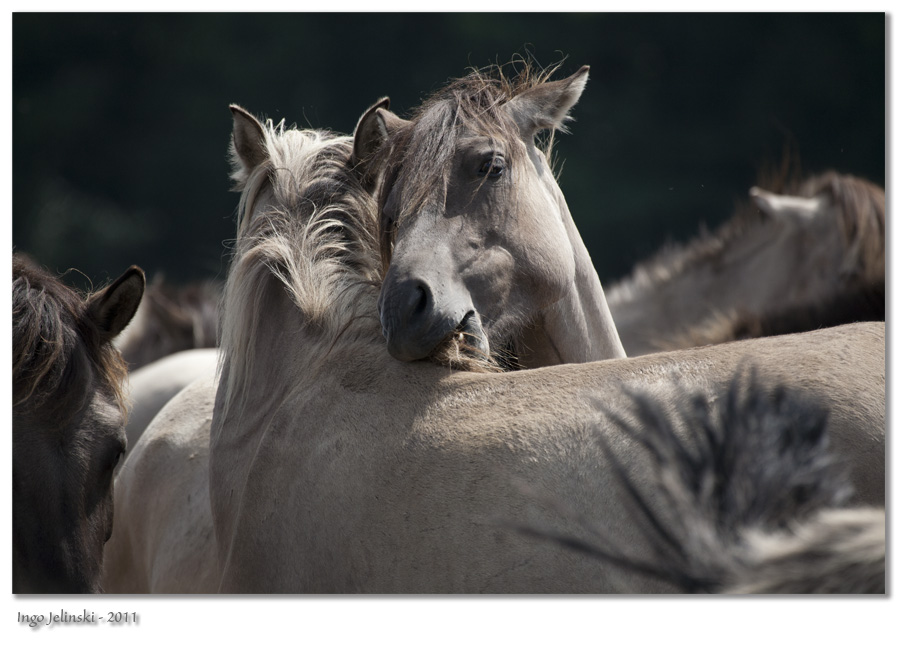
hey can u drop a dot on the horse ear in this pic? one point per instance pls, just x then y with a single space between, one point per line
373 127
113 308
786 208
547 105
370 131
247 141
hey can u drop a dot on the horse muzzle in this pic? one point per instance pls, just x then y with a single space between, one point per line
416 319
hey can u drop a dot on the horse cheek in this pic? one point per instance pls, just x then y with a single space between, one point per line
547 257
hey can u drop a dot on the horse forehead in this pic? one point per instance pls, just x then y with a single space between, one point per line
477 141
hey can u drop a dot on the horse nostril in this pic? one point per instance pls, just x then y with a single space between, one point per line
471 332
421 299
466 321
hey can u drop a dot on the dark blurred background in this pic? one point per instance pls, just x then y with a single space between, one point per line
121 121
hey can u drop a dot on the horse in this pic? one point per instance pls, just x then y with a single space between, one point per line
334 467
476 237
753 500
171 319
797 259
68 425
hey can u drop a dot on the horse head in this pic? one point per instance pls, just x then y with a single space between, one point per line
475 233
68 426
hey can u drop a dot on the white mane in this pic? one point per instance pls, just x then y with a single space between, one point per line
305 220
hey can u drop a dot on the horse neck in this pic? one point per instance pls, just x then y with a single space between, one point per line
579 327
286 360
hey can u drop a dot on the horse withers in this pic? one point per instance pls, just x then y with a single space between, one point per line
476 236
151 386
68 425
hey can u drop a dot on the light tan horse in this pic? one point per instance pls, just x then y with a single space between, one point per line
475 230
780 259
68 422
336 468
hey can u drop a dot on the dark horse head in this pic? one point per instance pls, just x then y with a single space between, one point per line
68 426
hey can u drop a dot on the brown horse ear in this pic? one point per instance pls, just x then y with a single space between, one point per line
247 141
547 105
373 127
113 308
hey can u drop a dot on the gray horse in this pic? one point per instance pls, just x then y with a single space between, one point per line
753 500
476 236
805 258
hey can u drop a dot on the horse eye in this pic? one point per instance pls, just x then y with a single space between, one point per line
387 219
493 168
115 458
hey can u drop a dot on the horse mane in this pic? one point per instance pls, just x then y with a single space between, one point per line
851 304
860 203
49 325
472 102
748 499
317 239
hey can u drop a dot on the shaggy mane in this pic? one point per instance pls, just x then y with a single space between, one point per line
49 325
749 499
317 240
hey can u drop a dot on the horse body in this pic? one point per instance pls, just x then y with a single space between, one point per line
333 467
68 426
752 499
374 476
475 229
780 253
162 540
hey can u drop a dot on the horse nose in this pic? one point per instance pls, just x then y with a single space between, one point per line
418 302
406 307
413 319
